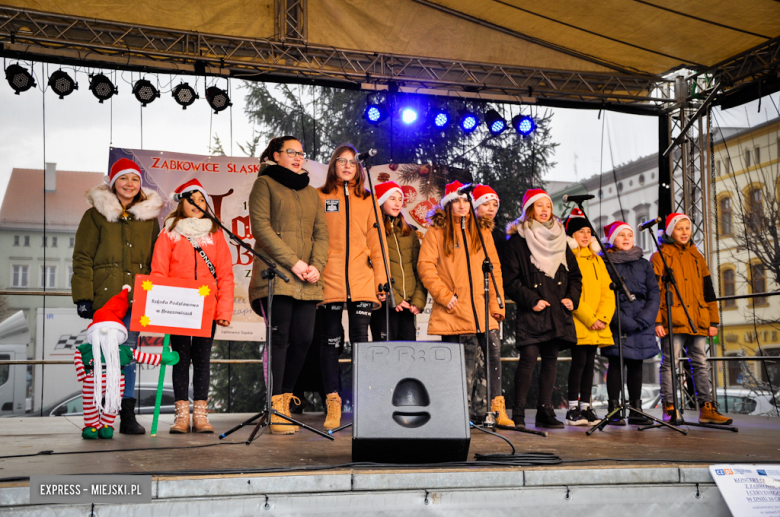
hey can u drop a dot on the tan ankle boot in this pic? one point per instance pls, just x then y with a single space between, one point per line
498 406
333 406
200 419
182 423
289 397
279 425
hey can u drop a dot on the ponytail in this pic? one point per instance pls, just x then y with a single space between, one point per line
275 146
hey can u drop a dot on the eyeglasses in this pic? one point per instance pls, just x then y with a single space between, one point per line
344 161
293 153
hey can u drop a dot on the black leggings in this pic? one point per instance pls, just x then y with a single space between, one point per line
525 369
293 329
198 351
633 378
583 358
402 325
359 314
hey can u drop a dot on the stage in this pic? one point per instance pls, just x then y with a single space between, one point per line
642 472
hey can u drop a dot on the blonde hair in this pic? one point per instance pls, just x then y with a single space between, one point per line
178 214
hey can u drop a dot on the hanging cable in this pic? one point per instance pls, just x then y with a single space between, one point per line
43 326
614 174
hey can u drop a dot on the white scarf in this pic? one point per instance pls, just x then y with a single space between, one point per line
192 229
547 245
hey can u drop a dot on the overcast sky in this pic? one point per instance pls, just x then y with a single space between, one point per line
79 130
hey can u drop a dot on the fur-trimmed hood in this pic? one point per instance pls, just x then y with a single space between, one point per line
109 206
593 245
437 218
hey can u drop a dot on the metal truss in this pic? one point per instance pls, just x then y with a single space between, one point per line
35 35
748 66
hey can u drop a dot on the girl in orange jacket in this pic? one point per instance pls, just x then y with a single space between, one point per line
192 246
450 267
355 269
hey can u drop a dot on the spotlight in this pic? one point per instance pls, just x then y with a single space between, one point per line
217 99
468 121
102 87
495 122
19 78
62 84
524 124
441 119
185 95
408 115
375 113
145 92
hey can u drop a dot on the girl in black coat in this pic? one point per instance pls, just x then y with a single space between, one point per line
542 276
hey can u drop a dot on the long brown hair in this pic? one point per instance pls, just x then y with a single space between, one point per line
452 231
400 223
178 214
332 182
275 146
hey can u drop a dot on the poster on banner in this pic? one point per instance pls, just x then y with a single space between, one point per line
749 490
173 306
229 180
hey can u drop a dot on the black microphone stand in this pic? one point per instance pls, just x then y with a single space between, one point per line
270 274
669 352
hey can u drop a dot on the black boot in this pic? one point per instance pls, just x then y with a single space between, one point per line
614 419
518 417
545 417
127 421
635 418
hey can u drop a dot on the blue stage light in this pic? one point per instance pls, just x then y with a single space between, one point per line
375 113
408 115
524 124
495 122
468 122
441 119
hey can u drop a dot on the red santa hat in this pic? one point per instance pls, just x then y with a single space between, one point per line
451 193
121 167
384 190
575 222
111 315
533 195
613 229
191 186
482 194
672 220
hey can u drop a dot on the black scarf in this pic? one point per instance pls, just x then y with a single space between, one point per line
623 256
287 177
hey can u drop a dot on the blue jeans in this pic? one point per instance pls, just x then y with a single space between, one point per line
700 368
132 342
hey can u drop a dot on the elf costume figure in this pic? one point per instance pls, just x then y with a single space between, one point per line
106 378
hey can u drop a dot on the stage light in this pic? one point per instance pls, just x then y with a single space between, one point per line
145 92
185 95
218 99
441 119
495 122
62 84
524 124
468 121
19 78
102 87
375 113
408 115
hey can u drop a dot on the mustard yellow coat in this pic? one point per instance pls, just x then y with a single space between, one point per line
597 301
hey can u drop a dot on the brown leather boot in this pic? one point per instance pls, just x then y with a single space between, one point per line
279 425
200 419
498 406
182 423
333 405
708 414
289 397
671 415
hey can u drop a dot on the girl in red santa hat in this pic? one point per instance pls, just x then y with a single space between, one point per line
114 242
192 246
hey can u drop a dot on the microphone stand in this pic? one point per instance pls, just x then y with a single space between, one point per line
270 274
669 349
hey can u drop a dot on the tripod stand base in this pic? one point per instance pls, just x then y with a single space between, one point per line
680 422
659 423
264 422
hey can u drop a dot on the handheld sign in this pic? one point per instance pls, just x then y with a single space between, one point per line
160 381
173 306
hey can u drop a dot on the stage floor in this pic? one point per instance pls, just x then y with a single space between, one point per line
757 441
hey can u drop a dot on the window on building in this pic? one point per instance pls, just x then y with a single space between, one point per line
48 277
730 167
758 282
72 242
729 282
16 240
640 238
26 240
757 155
726 216
717 167
755 207
54 242
20 276
620 186
771 374
641 179
70 275
747 158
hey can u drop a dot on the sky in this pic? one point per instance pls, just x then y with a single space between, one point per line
79 130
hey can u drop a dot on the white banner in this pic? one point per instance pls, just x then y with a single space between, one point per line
749 490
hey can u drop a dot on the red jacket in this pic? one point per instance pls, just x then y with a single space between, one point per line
175 257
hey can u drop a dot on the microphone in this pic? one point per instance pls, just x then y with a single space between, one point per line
360 158
577 199
649 224
465 189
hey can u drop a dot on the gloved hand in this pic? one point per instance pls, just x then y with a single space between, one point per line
84 308
169 358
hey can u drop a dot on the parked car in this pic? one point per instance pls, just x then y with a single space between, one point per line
743 401
651 396
72 405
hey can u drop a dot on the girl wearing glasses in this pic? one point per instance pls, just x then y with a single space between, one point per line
355 269
289 228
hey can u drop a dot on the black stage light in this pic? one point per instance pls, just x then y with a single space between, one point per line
102 87
218 99
145 92
62 84
19 78
524 125
185 95
495 122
